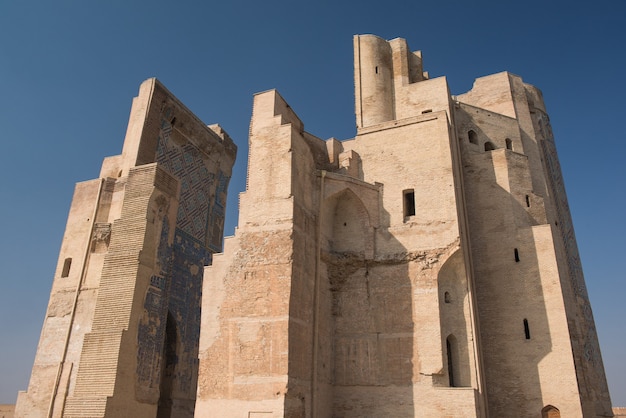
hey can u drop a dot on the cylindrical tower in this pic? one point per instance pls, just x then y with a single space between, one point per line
373 77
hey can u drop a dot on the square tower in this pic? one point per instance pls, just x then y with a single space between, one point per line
120 337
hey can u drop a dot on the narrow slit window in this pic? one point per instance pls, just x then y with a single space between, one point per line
526 329
516 255
452 359
376 69
409 202
527 201
66 267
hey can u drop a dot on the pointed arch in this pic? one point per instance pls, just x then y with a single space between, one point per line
453 305
550 411
346 223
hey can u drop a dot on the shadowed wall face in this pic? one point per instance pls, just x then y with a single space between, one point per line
530 292
369 315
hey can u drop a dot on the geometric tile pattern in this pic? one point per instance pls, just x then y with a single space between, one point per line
151 332
176 291
186 164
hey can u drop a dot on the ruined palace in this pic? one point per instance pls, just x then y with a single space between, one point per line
426 267
120 337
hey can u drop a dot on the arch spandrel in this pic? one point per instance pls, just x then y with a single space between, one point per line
368 194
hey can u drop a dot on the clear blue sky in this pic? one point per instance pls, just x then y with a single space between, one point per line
69 69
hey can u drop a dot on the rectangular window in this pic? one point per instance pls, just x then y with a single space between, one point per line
526 329
66 267
409 202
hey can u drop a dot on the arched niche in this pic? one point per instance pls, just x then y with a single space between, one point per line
550 411
346 224
455 320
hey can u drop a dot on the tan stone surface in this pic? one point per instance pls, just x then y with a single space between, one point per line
417 269
120 337
7 411
426 267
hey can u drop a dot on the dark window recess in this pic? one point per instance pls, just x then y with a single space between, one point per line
526 329
377 70
509 144
409 202
66 267
516 255
527 201
473 138
168 372
446 297
451 361
489 146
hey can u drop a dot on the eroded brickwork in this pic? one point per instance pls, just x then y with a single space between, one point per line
424 268
121 334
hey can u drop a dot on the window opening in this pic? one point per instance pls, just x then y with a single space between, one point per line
451 360
377 69
516 255
66 267
409 202
509 144
527 201
550 412
526 329
473 138
168 369
446 297
489 146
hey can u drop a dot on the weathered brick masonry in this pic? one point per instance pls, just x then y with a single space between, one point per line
425 268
